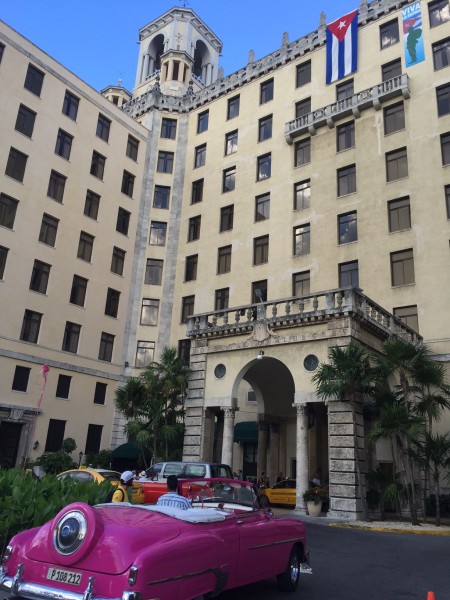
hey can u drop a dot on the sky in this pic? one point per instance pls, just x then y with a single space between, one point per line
98 39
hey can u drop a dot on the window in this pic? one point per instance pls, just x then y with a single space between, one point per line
93 439
39 277
224 260
91 204
100 392
118 260
302 108
443 100
259 291
266 91
31 325
347 228
161 196
70 106
71 337
158 233
445 148
394 118
396 164
346 180
261 250
165 162
3 256
264 167
55 435
127 184
391 69
187 308
202 121
345 90
402 267
132 148
389 34
49 227
63 386
153 271
200 156
78 291
265 128
63 144
103 127
197 191
169 128
221 299
34 80
123 221
302 194
15 167
399 215
194 228
447 200
184 350
441 54
20 380
408 314
233 107
303 74
98 165
105 351
112 303
229 180
8 209
226 218
438 12
144 354
231 142
301 283
56 185
345 136
349 274
190 273
302 239
25 120
149 311
303 152
262 207
85 246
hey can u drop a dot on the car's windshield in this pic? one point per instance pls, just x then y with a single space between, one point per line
219 491
110 475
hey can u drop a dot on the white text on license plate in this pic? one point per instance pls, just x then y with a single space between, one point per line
64 576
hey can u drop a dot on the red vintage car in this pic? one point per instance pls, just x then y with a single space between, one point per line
121 551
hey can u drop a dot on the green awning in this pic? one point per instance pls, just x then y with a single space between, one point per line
130 451
246 432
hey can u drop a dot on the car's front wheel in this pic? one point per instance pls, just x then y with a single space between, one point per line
288 581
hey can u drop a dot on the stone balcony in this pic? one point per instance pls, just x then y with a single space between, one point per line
300 311
372 97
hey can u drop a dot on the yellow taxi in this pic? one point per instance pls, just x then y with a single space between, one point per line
283 492
136 493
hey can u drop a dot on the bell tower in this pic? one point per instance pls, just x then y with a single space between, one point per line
177 48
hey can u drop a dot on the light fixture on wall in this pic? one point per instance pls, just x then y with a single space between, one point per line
260 354
311 416
36 445
80 456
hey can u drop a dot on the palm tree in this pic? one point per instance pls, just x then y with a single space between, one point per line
348 377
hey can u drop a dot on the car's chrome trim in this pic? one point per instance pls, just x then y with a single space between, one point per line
217 571
279 543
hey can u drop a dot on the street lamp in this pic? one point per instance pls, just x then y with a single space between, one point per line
80 456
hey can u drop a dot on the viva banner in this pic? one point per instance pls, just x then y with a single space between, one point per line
413 34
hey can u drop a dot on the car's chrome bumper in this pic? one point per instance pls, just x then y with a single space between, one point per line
16 587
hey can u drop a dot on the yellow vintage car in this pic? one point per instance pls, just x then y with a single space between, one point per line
283 492
136 493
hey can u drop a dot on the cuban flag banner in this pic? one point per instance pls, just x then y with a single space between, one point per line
342 46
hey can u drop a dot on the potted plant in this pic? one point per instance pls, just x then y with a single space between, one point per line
313 497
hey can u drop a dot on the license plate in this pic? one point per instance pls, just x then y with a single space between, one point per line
64 576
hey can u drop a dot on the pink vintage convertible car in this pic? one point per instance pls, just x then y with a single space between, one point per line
142 552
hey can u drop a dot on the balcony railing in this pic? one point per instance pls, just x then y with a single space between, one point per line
372 97
296 311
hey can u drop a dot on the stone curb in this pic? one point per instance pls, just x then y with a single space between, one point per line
392 529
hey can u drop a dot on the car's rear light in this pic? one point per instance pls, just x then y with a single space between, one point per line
132 575
7 554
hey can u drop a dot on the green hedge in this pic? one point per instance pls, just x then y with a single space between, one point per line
28 502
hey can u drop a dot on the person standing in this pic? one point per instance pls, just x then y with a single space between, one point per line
121 493
172 497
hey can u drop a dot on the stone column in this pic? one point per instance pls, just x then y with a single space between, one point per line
274 466
228 435
151 66
145 67
262 449
302 455
208 74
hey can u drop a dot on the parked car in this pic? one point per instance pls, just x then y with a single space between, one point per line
283 492
89 474
155 483
139 552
